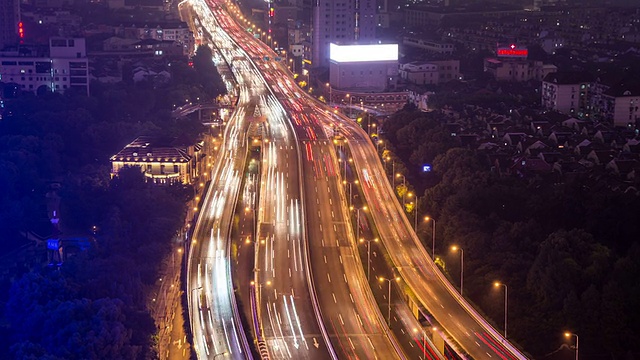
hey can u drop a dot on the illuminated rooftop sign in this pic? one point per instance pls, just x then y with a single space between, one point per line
363 53
512 51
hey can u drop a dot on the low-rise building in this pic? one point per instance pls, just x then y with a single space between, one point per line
434 46
163 161
430 72
511 64
64 66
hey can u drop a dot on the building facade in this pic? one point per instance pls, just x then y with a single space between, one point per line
64 67
567 92
370 68
438 47
517 70
163 161
9 21
177 32
622 105
341 22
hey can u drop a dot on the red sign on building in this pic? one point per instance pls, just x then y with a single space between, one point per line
512 51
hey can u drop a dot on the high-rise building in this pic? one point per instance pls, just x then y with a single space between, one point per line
341 22
9 20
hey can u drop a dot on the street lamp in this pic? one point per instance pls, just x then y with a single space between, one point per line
350 101
409 195
368 241
345 182
404 180
358 218
497 284
383 279
424 342
305 72
330 97
433 236
455 248
568 335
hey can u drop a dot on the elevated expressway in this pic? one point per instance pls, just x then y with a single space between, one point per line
357 329
460 321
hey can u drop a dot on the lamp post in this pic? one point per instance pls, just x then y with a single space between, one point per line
424 342
404 179
358 219
568 335
433 236
350 101
406 195
368 241
456 248
498 284
415 215
330 97
382 279
305 72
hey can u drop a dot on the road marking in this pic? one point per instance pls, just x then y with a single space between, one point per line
322 242
289 272
334 298
352 346
345 277
340 259
371 343
477 344
352 300
489 354
342 321
325 259
328 277
332 214
359 319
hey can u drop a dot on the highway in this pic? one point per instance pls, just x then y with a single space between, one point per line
349 316
357 328
287 318
413 263
217 331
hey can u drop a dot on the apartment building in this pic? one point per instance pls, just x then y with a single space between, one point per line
567 92
64 66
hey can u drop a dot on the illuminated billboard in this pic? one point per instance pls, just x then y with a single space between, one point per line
512 51
363 53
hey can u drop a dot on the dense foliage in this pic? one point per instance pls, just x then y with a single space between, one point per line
94 306
567 251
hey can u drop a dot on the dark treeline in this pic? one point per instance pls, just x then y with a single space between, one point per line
567 251
95 305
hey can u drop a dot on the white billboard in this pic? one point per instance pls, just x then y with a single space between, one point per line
362 53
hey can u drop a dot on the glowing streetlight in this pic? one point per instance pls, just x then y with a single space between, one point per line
383 279
364 208
368 241
498 284
433 236
455 248
568 335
